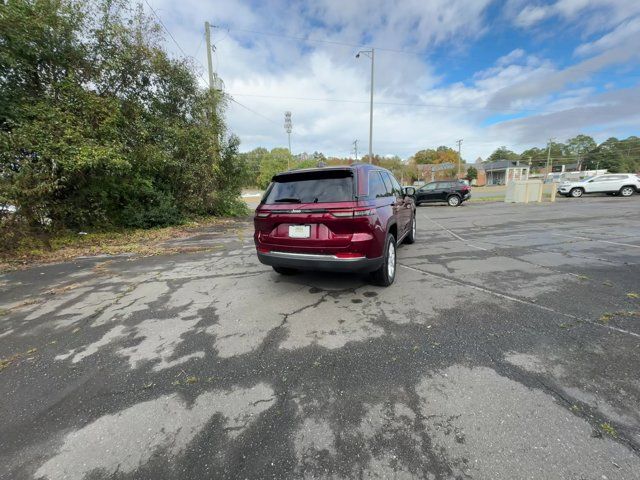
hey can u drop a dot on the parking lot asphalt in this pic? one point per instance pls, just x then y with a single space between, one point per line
508 348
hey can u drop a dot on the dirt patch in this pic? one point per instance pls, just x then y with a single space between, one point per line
138 242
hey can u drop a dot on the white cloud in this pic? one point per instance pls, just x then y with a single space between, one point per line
603 14
627 33
414 107
616 108
531 15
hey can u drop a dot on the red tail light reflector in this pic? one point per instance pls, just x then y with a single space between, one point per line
349 255
263 250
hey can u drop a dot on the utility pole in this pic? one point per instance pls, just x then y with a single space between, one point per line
459 142
371 54
207 34
288 127
548 165
355 148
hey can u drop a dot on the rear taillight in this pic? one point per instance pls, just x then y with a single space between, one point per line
263 250
349 255
353 213
262 214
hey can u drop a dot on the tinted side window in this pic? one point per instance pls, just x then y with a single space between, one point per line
377 187
428 186
397 189
444 185
387 183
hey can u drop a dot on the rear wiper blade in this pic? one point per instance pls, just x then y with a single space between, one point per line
287 200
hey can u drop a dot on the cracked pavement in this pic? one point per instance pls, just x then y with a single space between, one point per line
508 348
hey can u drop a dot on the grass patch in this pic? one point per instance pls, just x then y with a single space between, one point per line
609 430
606 317
67 245
499 198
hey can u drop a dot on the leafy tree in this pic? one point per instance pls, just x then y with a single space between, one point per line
424 157
100 127
502 153
251 165
472 173
534 153
615 155
278 160
580 145
442 154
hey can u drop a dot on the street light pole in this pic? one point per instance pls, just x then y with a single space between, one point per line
371 54
459 142
288 127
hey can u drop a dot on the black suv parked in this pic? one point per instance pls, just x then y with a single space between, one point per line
450 191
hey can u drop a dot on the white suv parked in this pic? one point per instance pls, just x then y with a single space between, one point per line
623 184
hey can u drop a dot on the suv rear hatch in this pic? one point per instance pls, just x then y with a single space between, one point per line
313 211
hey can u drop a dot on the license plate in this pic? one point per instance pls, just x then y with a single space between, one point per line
299 231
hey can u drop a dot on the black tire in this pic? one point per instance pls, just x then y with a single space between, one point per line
285 270
627 191
576 192
383 276
454 201
411 236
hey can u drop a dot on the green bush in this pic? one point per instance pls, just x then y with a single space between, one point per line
99 127
150 208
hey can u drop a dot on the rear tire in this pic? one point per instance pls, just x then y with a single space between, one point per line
627 191
386 274
411 236
576 192
285 270
454 201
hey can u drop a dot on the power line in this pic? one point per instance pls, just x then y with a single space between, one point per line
200 74
251 110
155 14
400 104
195 55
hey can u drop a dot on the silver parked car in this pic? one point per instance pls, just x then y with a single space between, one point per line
623 184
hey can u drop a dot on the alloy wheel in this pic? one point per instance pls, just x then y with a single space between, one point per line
391 260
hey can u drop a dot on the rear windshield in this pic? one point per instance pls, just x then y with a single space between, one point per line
311 187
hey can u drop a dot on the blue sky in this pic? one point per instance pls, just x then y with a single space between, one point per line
493 73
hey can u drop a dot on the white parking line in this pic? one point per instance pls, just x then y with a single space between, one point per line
519 300
596 240
455 235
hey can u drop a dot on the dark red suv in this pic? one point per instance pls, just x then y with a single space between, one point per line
347 218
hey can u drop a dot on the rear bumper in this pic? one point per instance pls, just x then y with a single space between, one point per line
466 197
307 261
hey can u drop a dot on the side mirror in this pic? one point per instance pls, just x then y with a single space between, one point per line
409 191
